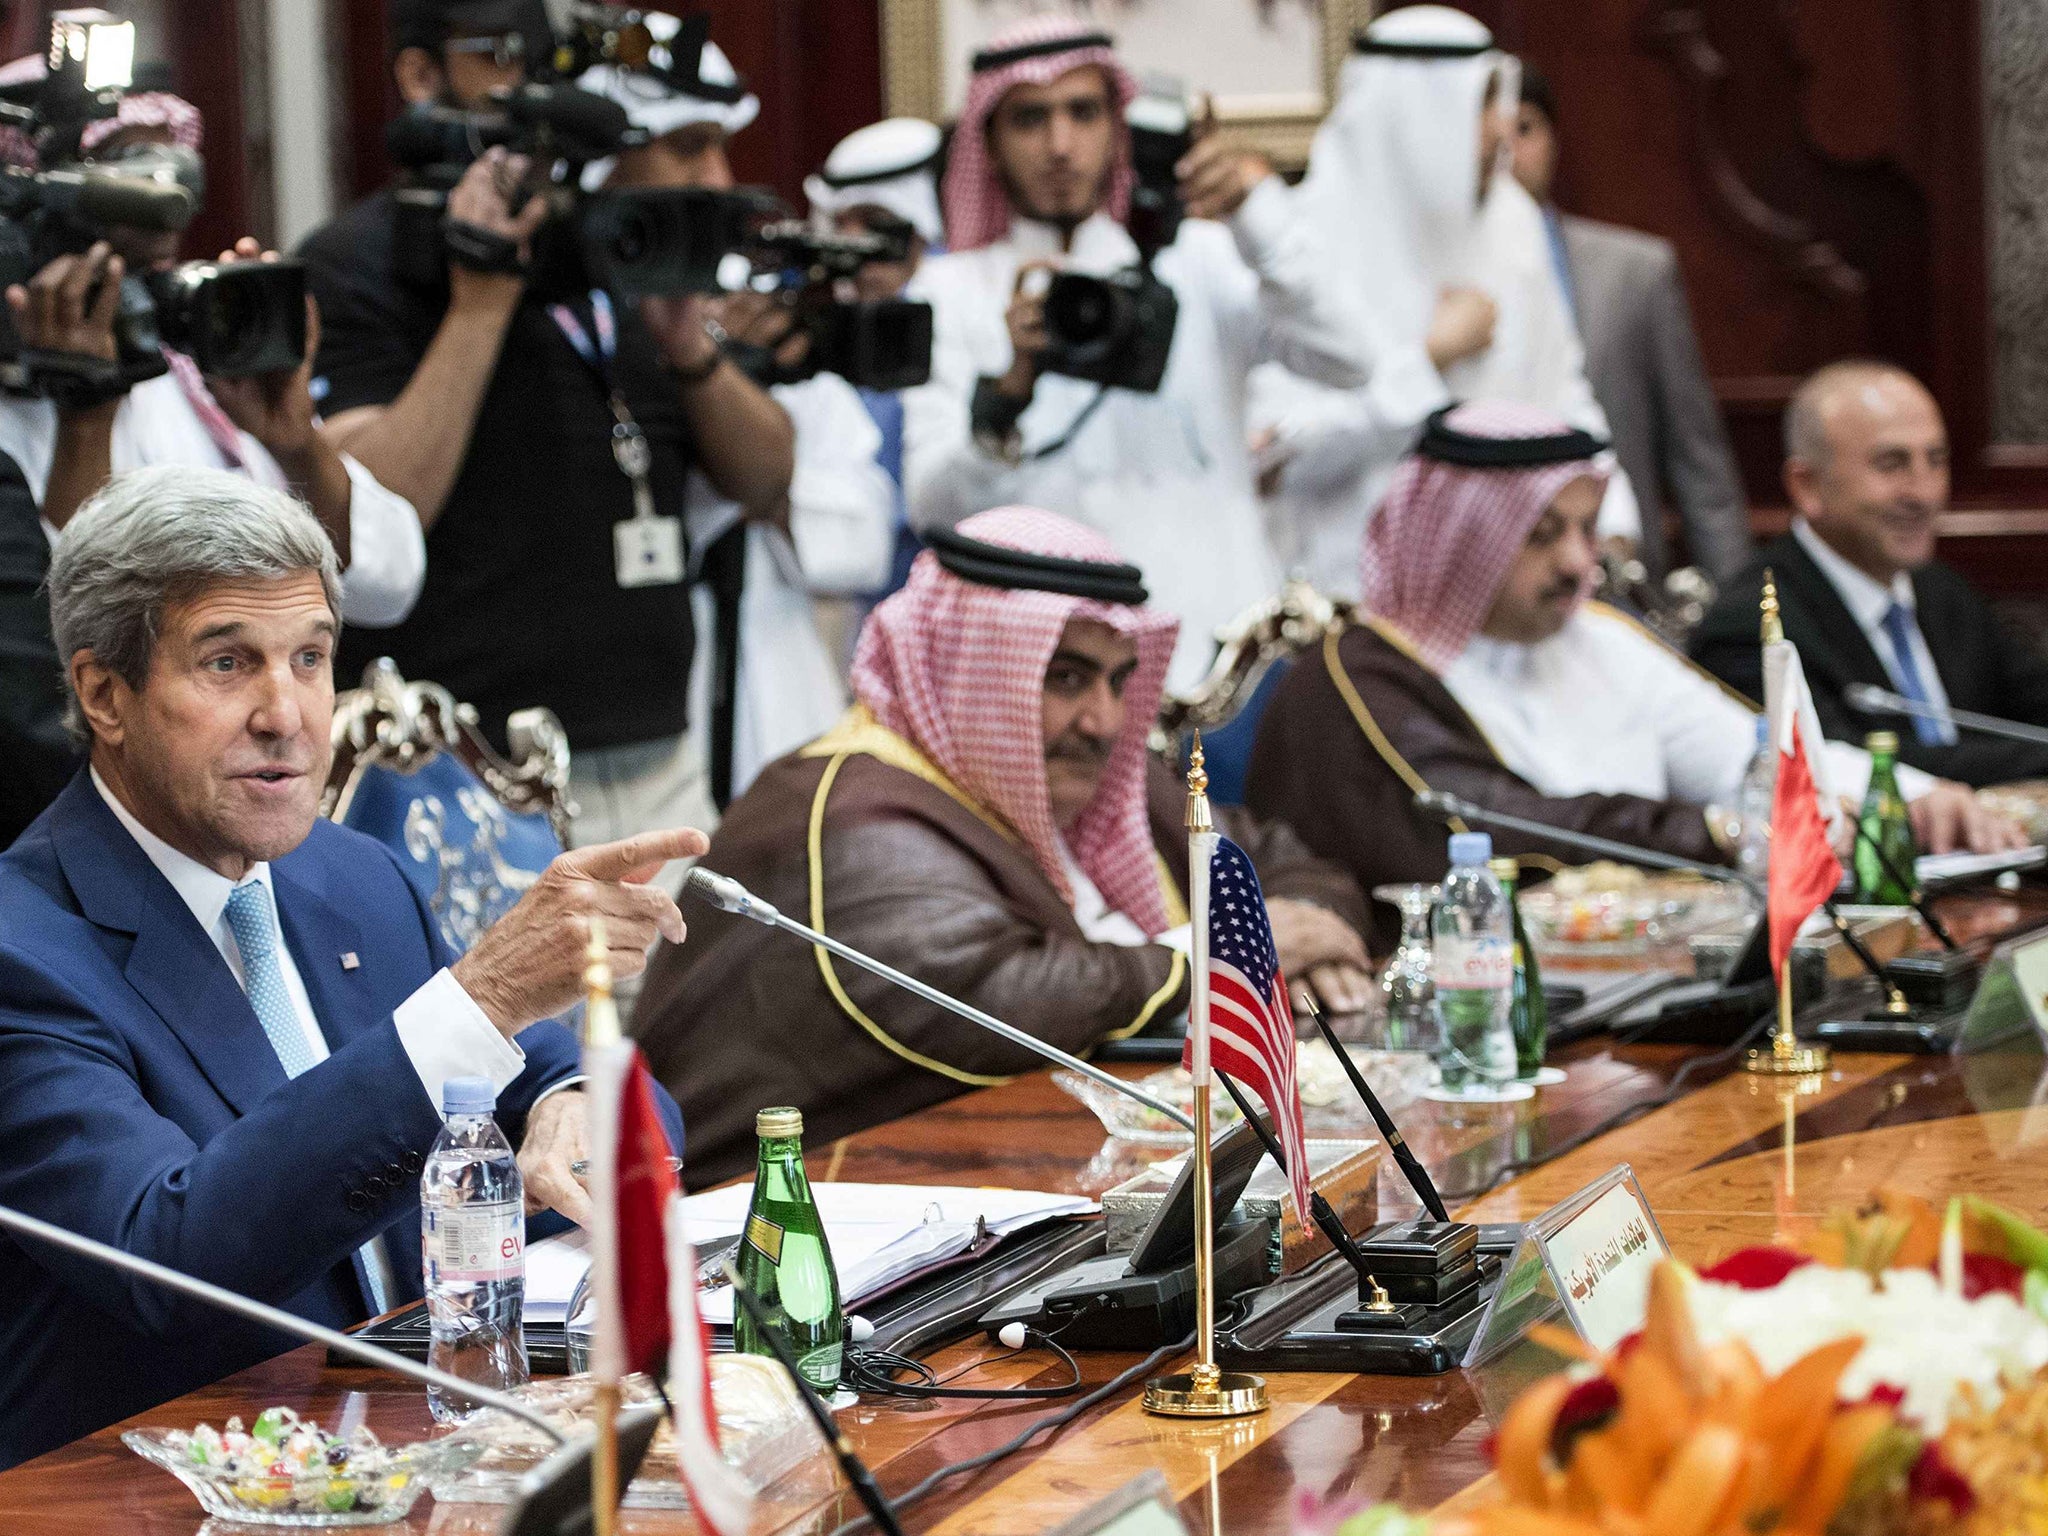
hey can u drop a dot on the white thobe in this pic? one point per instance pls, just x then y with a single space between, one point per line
156 424
1167 476
1605 708
842 515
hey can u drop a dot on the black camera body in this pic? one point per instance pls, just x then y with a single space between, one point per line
871 343
235 318
1117 331
641 241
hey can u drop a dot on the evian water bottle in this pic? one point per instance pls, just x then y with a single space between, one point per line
473 1237
1474 964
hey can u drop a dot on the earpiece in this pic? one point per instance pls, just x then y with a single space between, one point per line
859 1329
1013 1335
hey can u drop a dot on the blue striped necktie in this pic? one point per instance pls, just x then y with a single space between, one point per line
253 920
1898 628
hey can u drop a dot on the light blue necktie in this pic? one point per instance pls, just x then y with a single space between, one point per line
254 922
1898 627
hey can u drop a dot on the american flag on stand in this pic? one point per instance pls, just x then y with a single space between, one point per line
1251 1019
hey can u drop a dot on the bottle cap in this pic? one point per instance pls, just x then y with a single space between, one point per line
1882 741
1505 869
468 1096
783 1121
1470 848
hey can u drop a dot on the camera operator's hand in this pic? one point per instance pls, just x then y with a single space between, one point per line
681 326
484 198
763 320
69 306
1461 327
745 442
274 408
1216 177
1026 320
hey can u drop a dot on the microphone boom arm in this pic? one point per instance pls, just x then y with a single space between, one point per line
271 1317
1883 701
1438 803
728 895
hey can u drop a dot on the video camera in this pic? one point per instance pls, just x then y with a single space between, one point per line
637 242
233 318
1118 330
871 343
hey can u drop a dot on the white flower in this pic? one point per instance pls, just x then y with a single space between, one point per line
1916 1337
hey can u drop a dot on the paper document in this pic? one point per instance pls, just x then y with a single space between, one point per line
1945 868
879 1233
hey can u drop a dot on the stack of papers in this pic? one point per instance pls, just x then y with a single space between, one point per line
880 1233
1947 868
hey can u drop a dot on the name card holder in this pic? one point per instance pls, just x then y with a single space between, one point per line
2012 997
1588 1257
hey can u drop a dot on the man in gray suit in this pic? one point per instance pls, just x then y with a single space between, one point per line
1642 360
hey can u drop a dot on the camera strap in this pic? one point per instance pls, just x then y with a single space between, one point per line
648 549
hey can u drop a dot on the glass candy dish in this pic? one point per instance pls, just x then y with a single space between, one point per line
1329 1108
356 1482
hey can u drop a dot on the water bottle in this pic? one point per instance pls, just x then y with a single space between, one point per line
473 1243
1885 857
1475 973
1753 804
1528 1010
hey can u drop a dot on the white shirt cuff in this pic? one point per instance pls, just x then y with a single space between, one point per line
1261 221
1181 938
446 1035
387 563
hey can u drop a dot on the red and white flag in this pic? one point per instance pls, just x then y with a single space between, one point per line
1239 1016
1804 871
643 1277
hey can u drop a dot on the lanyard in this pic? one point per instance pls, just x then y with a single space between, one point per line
629 444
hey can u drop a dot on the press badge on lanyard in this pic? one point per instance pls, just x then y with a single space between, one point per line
647 549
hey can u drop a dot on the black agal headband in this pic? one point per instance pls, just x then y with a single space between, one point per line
1001 58
1447 445
995 565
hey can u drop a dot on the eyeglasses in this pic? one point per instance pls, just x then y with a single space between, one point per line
503 51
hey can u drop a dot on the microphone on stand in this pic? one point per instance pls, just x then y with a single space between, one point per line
553 1498
1439 804
1882 701
728 895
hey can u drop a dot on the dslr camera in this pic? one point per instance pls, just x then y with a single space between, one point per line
232 318
1118 330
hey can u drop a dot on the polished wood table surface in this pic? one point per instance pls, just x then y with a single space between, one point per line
1722 1163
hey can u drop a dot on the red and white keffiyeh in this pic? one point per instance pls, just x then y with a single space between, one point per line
958 670
1444 536
977 205
179 119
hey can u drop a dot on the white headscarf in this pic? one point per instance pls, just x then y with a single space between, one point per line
1393 193
889 165
659 107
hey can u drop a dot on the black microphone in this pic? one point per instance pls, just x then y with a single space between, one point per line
1882 701
1439 804
97 196
728 895
1411 1166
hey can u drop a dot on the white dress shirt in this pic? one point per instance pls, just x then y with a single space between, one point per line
1604 708
1868 600
1168 477
156 424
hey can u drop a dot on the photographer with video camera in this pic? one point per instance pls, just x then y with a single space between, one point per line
1121 401
163 405
544 432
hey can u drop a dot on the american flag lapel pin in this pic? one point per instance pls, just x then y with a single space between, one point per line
349 962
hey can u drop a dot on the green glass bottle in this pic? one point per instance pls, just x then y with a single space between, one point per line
785 1262
1883 821
1527 1015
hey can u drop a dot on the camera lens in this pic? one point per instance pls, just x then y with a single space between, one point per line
1080 310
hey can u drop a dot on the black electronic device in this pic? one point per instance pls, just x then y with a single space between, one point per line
1716 1013
1146 1298
233 318
883 343
1317 1321
554 1498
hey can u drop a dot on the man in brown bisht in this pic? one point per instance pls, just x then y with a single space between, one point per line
987 818
1476 666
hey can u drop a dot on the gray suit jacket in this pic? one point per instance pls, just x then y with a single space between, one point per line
1644 364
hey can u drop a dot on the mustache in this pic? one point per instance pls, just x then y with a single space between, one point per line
1085 751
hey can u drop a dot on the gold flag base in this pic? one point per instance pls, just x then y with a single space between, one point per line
1798 1061
1206 1393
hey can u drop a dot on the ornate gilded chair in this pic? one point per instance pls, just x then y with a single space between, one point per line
471 829
1252 655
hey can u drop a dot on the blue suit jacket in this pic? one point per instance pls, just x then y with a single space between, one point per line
142 1104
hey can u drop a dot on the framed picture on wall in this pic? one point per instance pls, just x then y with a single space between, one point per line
1270 65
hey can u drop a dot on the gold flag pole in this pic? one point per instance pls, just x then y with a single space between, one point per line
1786 1057
600 1030
1203 1392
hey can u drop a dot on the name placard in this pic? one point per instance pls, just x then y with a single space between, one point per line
1589 1257
1142 1507
2011 998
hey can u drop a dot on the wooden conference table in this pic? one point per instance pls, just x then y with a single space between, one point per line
1714 1163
